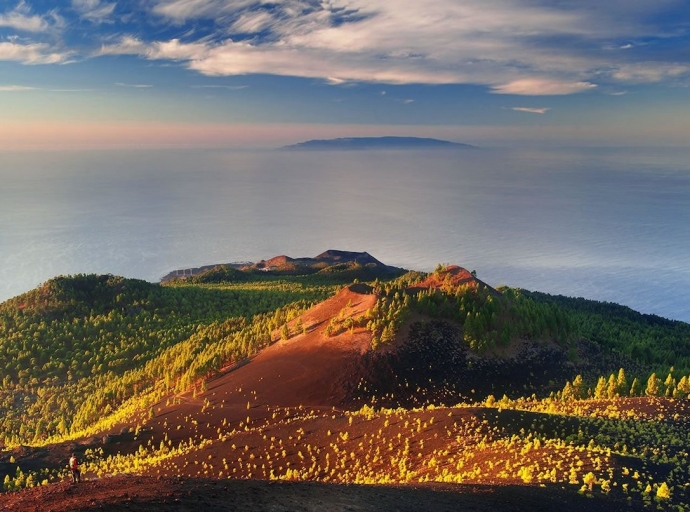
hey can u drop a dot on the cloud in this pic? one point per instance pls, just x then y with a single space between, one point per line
525 47
128 45
531 110
252 22
331 80
650 72
70 90
24 88
136 86
184 10
230 87
437 42
36 53
181 10
94 11
20 18
541 87
16 88
163 50
177 50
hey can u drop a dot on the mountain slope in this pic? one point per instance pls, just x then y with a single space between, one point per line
360 387
306 369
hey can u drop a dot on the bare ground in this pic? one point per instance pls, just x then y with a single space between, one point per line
137 493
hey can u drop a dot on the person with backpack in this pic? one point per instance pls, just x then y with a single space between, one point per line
74 468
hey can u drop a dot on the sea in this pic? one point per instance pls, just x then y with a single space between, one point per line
608 224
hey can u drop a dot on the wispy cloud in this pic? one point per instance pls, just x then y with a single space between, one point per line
531 110
541 87
650 72
94 11
252 22
127 45
23 88
177 50
70 90
181 11
520 47
229 87
33 53
16 88
21 18
437 42
135 86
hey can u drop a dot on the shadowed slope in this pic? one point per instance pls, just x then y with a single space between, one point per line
153 494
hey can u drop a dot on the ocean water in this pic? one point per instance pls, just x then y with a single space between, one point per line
605 224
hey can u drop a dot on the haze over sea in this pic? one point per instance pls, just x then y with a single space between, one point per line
605 224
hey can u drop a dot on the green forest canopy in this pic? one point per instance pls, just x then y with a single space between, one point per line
77 349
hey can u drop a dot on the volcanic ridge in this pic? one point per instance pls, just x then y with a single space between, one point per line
419 390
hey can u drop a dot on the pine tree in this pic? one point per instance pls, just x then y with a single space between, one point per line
669 384
663 492
612 387
653 386
683 388
621 382
634 387
578 387
567 395
601 389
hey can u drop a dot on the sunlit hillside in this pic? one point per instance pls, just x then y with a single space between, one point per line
346 374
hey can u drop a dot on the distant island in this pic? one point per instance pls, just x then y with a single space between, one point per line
377 143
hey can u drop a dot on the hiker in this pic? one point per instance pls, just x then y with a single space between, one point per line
74 468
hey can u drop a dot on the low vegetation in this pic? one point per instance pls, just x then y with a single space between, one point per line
77 349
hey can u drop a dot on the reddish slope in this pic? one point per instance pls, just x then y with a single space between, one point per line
305 369
451 277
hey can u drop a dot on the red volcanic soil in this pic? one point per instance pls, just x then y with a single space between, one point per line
306 369
305 372
276 261
451 277
456 275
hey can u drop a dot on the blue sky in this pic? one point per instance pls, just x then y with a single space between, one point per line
95 73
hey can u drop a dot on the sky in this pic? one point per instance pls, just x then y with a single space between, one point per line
257 73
